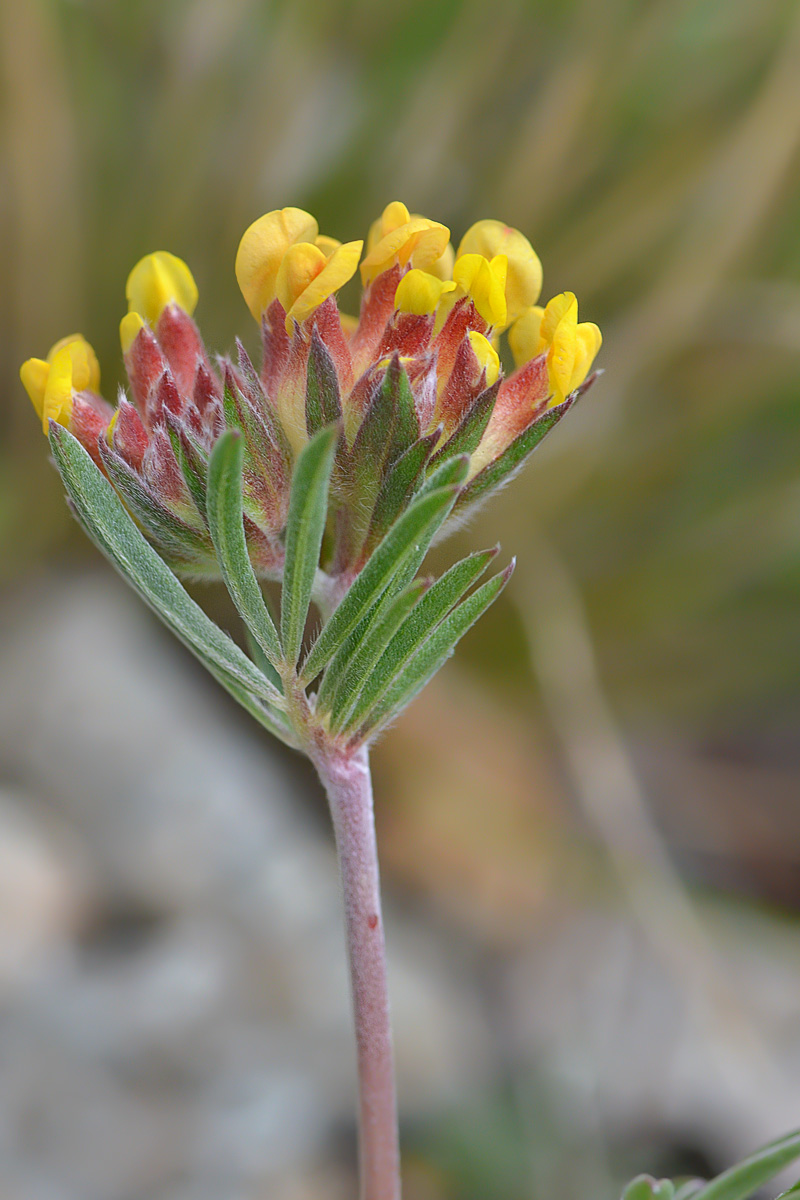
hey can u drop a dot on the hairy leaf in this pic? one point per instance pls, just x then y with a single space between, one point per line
107 523
226 523
308 508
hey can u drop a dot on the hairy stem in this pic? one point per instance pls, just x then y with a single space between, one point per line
347 781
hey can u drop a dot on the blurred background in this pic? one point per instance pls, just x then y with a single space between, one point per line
589 823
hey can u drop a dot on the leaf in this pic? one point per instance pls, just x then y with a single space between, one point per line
323 400
104 518
644 1187
351 666
471 428
792 1193
432 608
226 522
501 468
308 508
399 485
752 1173
406 422
401 551
689 1189
433 653
452 471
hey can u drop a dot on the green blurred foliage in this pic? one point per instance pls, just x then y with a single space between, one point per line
649 148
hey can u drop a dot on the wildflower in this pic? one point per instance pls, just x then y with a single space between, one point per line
414 381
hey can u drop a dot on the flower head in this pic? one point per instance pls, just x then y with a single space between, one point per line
414 381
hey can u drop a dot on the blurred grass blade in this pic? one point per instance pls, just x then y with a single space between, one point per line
689 1189
308 509
792 1194
433 653
401 551
432 608
748 1176
226 522
111 528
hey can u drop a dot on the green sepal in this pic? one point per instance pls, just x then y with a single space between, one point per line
432 655
430 610
323 399
406 422
453 471
226 522
192 460
174 535
110 527
752 1173
401 551
471 428
512 458
308 509
265 448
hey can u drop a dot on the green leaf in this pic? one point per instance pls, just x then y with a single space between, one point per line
399 485
433 653
752 1173
513 456
353 665
792 1193
406 422
432 608
226 522
104 518
644 1187
689 1189
323 401
308 509
471 428
401 551
452 471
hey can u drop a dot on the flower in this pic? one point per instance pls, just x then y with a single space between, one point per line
414 380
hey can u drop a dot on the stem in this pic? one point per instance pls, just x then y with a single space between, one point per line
347 781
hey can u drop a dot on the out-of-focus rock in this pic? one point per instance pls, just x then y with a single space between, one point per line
187 1029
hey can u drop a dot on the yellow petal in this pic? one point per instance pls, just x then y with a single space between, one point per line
57 402
443 267
129 327
486 355
85 367
561 306
157 280
261 252
484 282
419 293
524 282
326 244
561 355
588 339
301 263
524 336
418 240
33 374
333 274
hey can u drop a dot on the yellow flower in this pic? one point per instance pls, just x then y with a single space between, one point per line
307 276
419 292
71 366
157 280
261 252
486 355
571 347
524 280
129 327
400 238
484 282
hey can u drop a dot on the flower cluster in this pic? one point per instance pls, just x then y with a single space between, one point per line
414 380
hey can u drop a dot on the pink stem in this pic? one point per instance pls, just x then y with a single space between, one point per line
349 786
